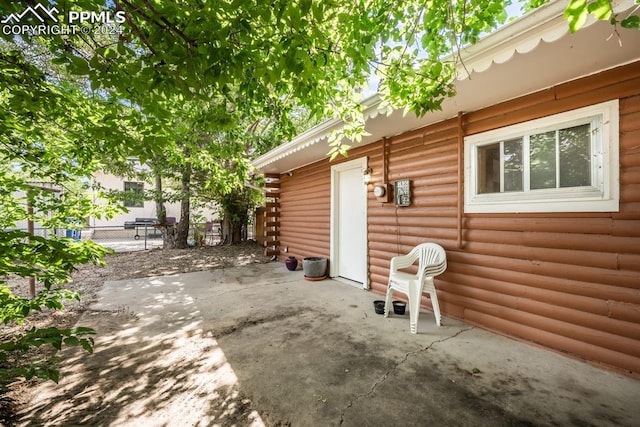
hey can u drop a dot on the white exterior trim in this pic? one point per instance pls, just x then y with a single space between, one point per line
544 24
310 137
604 196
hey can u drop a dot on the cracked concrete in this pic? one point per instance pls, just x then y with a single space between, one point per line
395 367
258 345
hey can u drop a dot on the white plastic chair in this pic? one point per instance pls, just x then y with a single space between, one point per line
432 261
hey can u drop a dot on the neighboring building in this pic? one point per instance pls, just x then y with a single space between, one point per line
138 208
529 178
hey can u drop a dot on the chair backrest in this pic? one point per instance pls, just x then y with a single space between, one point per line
432 260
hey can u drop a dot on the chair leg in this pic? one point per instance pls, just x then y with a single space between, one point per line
414 307
387 301
436 306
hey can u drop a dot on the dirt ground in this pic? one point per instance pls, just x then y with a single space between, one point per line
88 280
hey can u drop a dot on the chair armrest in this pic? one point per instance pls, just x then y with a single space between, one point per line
403 261
433 270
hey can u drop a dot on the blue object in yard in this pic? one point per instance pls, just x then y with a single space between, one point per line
73 234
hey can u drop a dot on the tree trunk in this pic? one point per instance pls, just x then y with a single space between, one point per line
168 230
233 231
182 229
169 235
161 212
235 209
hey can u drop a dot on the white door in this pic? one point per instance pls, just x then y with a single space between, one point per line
349 222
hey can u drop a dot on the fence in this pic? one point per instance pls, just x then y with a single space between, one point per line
122 239
139 238
129 239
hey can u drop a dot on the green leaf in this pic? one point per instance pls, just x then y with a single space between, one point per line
83 330
79 65
53 375
632 22
305 6
110 53
600 9
87 345
576 13
317 11
72 341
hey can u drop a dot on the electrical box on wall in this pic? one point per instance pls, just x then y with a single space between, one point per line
402 192
382 192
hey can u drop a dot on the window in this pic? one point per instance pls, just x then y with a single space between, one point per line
133 194
563 163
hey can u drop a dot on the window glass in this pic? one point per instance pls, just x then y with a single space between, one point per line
542 154
489 170
133 197
513 165
575 156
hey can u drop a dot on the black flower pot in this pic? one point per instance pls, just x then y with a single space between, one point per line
399 307
378 305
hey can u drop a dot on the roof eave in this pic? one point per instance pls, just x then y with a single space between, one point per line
509 44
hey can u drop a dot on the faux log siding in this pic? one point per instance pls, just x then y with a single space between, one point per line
305 206
428 158
305 212
568 281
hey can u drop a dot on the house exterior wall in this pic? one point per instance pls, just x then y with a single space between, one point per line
566 281
148 210
305 211
305 207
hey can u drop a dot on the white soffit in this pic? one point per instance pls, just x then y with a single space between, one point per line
530 54
542 25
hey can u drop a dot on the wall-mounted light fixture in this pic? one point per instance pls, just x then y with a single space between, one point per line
366 175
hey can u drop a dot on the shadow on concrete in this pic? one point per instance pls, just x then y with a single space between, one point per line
258 345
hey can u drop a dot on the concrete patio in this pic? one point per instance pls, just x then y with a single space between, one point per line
259 345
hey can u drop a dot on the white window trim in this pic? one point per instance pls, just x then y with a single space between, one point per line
604 197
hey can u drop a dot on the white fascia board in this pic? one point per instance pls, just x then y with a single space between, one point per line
314 135
544 24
